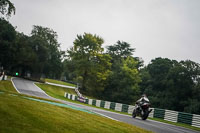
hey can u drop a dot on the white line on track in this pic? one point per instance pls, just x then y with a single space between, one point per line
105 116
14 84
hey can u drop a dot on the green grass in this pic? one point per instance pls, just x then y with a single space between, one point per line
22 115
59 82
7 86
56 91
177 124
8 77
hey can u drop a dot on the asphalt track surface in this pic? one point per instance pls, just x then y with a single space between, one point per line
29 88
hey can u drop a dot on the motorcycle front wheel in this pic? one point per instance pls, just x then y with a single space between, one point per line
145 115
134 113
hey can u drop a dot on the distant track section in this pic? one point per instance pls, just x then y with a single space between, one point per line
65 86
29 88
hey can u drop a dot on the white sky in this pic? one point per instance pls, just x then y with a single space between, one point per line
156 28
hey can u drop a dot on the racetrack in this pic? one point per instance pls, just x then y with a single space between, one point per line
29 88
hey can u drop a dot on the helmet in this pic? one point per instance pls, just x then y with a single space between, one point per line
144 95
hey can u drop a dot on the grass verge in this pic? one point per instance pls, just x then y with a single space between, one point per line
7 86
59 82
177 124
55 91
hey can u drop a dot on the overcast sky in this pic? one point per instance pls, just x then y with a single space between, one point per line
156 28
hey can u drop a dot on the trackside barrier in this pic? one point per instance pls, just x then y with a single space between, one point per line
5 77
168 115
98 103
185 118
196 121
107 105
159 113
118 107
130 109
152 113
171 115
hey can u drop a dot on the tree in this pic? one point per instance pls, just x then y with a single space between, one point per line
155 81
124 78
24 55
98 74
40 50
6 8
7 41
158 69
172 85
178 87
192 104
69 69
92 66
121 50
123 82
48 49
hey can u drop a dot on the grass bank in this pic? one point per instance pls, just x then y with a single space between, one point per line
177 124
56 91
22 115
7 86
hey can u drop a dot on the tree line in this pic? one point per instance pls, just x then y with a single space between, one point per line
112 73
38 54
172 85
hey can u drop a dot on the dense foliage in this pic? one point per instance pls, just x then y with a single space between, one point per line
34 55
111 76
91 65
6 8
124 78
172 85
7 40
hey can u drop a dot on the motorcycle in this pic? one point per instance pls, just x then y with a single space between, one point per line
142 110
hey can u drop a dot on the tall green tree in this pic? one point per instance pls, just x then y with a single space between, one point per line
124 78
7 41
48 48
192 73
92 65
69 69
155 81
123 82
172 85
25 55
7 8
120 50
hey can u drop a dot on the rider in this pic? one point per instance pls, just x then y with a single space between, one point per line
142 100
